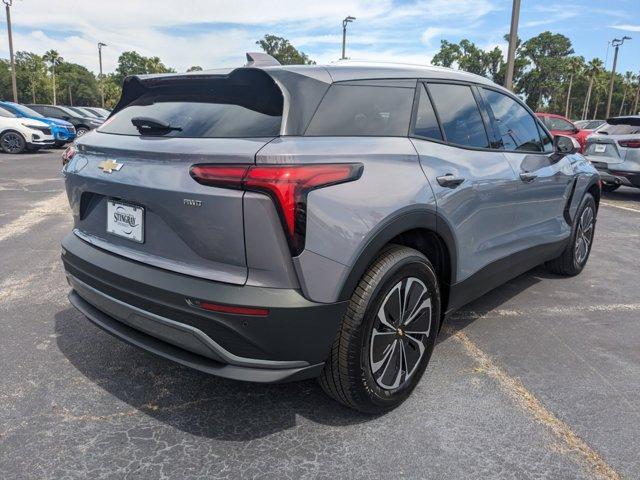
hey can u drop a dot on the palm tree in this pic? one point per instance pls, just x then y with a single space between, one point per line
55 60
629 77
600 86
576 65
594 67
635 102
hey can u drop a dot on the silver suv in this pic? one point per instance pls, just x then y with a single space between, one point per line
273 223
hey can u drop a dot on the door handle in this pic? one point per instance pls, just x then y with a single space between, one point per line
449 180
528 177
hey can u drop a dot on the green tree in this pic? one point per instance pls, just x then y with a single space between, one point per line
77 85
628 80
575 65
132 63
194 68
282 50
31 77
54 59
546 55
594 68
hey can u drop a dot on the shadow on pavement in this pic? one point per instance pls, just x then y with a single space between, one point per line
189 400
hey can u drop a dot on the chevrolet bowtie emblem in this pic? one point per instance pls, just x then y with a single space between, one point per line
108 166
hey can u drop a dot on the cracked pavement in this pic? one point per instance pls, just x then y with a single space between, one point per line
78 403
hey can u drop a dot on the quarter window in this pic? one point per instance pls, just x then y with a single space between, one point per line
459 115
358 110
517 129
426 121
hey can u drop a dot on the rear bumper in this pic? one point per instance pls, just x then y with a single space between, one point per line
629 179
148 307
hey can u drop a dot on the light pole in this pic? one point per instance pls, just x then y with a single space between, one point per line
14 86
513 40
616 42
349 19
100 45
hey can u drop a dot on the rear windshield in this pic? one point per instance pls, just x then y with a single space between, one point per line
357 110
619 129
240 106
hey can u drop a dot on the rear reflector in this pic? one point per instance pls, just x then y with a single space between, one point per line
237 310
630 143
288 186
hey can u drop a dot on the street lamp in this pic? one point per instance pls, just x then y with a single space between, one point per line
13 61
100 45
349 19
616 42
513 40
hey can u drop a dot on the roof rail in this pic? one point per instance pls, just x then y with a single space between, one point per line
259 59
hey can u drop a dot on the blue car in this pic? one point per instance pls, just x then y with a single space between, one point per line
63 131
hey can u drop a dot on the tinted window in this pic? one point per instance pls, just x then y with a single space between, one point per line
619 129
559 124
426 121
459 115
245 105
517 128
350 110
547 141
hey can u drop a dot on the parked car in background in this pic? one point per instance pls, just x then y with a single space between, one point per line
63 131
293 222
588 124
103 112
614 149
85 111
18 134
559 125
82 123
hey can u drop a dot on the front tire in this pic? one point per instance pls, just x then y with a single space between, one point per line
576 254
387 334
80 131
12 142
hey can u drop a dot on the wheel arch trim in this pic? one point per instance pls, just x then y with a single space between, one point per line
403 221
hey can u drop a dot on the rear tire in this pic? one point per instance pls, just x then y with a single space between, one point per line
12 142
576 254
610 187
387 334
80 131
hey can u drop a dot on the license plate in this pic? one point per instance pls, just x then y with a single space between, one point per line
125 220
600 148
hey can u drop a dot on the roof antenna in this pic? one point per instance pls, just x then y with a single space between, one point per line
260 59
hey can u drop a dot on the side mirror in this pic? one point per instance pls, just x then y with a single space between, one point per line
565 145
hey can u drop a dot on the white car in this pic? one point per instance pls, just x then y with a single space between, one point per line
20 134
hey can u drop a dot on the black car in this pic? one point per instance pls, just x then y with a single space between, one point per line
82 123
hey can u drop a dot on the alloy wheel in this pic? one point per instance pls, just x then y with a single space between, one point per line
584 235
12 142
400 332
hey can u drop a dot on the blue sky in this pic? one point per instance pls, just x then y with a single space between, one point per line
215 33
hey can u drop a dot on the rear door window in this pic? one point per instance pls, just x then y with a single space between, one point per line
426 121
360 110
459 115
516 127
246 105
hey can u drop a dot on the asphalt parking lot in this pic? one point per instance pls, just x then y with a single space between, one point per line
538 379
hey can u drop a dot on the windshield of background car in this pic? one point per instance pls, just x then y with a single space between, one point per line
558 124
68 111
240 106
6 113
27 111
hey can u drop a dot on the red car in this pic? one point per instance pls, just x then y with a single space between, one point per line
559 125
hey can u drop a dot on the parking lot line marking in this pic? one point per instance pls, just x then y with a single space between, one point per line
561 310
528 401
637 210
40 210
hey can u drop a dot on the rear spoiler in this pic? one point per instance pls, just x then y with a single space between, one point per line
634 121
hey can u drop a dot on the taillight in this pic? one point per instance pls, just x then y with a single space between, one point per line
629 143
68 154
288 186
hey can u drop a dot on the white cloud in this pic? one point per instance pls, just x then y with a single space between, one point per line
628 27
